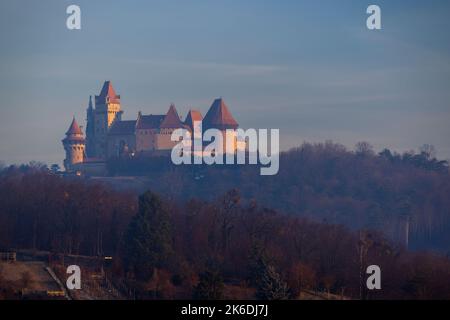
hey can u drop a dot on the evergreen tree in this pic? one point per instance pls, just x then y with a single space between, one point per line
271 286
148 240
269 283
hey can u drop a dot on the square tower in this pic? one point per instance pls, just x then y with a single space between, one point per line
107 111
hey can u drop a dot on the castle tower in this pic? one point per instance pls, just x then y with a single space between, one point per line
219 117
74 145
168 125
90 130
192 117
107 111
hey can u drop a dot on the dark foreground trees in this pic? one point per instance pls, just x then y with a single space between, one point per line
210 286
269 283
228 247
327 182
148 242
43 211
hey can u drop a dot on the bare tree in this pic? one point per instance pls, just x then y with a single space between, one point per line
428 150
364 148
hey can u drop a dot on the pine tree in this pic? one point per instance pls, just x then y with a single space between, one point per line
271 286
148 240
269 283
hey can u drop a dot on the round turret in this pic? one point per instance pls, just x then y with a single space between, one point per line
74 145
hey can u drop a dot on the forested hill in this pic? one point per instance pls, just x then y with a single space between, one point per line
234 243
328 183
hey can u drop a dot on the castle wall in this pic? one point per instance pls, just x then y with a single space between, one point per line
116 142
96 169
104 117
149 134
146 140
74 155
113 113
100 133
163 141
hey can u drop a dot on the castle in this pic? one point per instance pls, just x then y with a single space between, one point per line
108 136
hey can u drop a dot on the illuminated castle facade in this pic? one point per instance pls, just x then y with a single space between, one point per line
108 136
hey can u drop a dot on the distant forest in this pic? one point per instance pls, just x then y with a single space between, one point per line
208 250
327 183
227 232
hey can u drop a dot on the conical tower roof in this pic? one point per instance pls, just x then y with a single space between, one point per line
74 128
172 119
218 116
193 116
74 134
107 94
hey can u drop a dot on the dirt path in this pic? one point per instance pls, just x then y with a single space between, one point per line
29 275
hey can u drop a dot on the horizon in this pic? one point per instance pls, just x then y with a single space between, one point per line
311 70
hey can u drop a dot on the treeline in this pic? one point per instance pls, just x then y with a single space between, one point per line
225 248
40 210
228 248
326 182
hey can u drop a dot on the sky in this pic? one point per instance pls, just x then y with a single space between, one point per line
309 68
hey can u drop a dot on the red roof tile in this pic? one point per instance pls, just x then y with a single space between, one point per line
74 129
107 94
74 133
193 115
172 119
218 116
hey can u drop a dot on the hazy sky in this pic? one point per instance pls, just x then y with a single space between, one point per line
310 68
